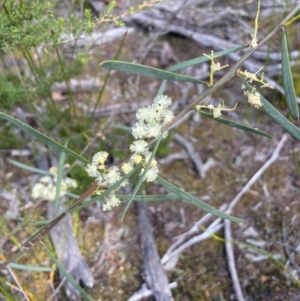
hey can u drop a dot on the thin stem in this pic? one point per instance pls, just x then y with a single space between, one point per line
254 39
71 96
40 78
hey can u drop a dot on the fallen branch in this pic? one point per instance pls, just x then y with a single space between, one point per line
66 246
68 253
155 275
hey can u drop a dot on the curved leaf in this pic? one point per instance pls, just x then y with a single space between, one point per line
191 199
31 131
149 71
287 77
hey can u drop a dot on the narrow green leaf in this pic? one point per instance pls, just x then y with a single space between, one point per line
137 198
203 59
149 71
28 168
196 61
31 131
235 124
68 276
191 199
279 118
141 178
275 114
24 267
287 77
150 198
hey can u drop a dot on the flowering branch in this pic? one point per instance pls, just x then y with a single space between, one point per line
151 120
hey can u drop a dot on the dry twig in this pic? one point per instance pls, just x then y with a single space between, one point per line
231 262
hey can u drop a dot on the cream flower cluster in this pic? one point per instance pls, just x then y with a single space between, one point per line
254 99
105 177
254 96
153 118
150 123
251 77
46 187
